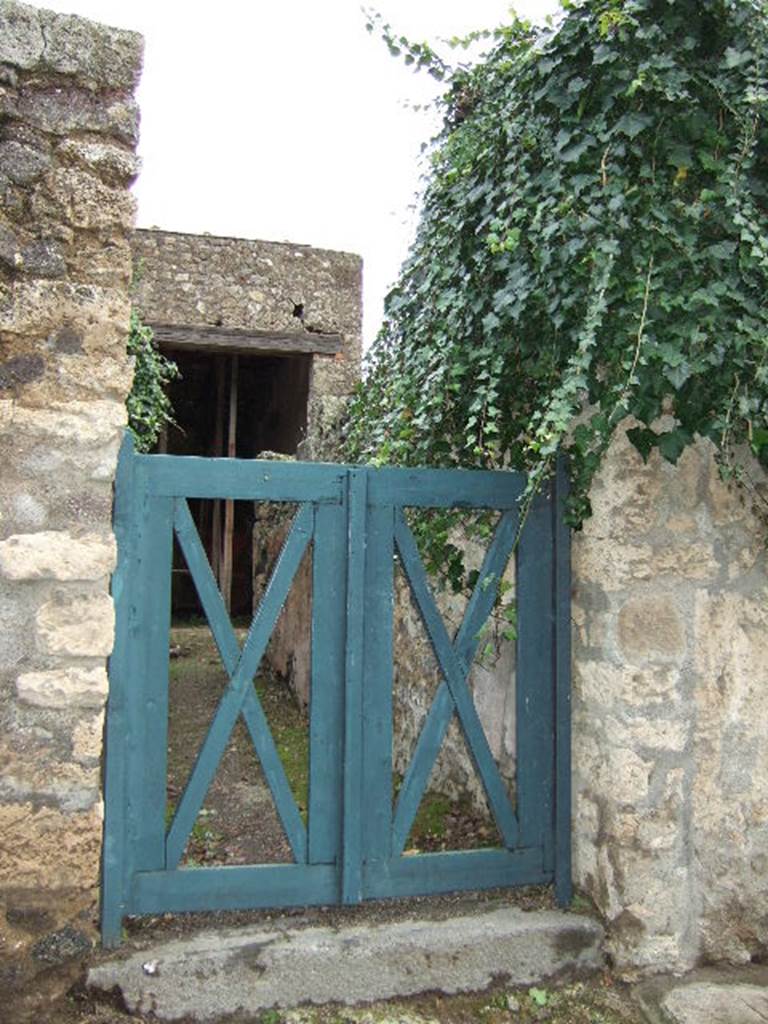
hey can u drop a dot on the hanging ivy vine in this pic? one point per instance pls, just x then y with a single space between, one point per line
149 407
593 245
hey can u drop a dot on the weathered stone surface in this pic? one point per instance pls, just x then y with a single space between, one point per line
10 249
88 738
716 1003
729 792
58 947
57 555
651 627
51 849
68 687
115 165
22 164
83 201
76 625
80 423
35 774
61 111
92 54
43 259
248 971
21 35
671 821
101 57
606 684
20 370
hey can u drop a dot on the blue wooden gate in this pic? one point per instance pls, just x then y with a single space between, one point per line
351 847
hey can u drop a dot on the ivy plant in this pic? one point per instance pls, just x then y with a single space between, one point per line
149 407
593 245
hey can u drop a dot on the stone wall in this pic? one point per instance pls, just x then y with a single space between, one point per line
265 286
671 700
67 137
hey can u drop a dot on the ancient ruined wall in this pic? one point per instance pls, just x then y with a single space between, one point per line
67 137
670 712
266 286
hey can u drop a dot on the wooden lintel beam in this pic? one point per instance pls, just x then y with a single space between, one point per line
235 341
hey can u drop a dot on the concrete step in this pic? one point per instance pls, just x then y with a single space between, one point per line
251 969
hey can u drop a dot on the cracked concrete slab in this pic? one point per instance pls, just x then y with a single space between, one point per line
251 969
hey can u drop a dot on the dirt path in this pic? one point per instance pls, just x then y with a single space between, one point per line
238 823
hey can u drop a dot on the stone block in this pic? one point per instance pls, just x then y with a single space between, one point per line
616 774
73 686
88 738
18 606
115 165
78 625
651 627
49 848
70 787
43 259
78 423
83 201
629 563
23 164
94 54
607 684
57 555
21 35
28 511
690 559
62 110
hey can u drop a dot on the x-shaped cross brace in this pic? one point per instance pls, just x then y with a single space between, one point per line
455 660
239 696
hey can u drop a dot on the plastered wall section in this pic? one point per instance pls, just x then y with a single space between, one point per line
68 132
670 709
266 286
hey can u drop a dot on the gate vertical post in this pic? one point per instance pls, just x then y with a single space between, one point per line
148 698
352 853
115 865
561 536
535 685
377 696
326 698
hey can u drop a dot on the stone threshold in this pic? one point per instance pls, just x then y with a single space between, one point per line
250 969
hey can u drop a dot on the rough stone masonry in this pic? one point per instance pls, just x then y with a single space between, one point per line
68 131
670 708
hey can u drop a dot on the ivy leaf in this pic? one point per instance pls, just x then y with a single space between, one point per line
723 250
643 439
632 124
734 58
678 375
672 444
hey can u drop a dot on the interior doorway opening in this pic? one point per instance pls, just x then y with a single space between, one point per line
235 405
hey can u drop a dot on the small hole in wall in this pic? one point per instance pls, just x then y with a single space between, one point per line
298 310
219 323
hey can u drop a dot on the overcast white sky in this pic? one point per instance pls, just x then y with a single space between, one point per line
286 120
